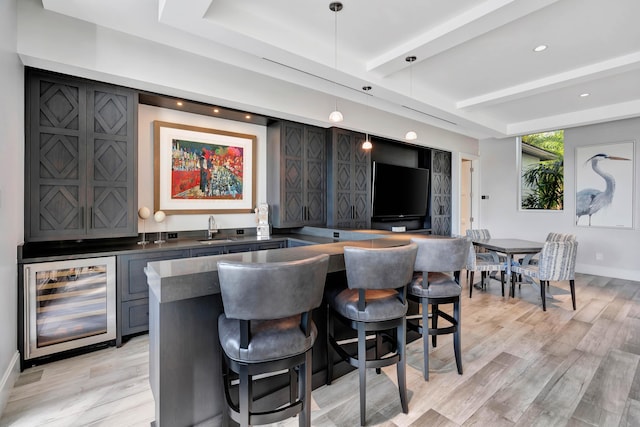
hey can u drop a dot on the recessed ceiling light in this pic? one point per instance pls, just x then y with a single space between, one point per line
179 103
215 110
247 117
584 95
540 48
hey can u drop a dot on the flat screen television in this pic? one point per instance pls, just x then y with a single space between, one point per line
399 192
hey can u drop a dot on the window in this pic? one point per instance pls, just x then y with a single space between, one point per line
542 171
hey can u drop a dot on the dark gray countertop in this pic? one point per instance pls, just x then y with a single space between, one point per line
179 279
55 251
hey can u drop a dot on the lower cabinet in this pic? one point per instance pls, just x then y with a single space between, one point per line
132 309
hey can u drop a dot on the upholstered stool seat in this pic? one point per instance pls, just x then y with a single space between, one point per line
270 339
374 302
266 327
441 286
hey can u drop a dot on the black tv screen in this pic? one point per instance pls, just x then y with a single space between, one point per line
399 191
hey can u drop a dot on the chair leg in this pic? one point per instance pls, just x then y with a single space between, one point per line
502 281
425 338
226 419
304 418
362 370
434 323
329 346
245 394
543 295
401 340
456 336
470 283
572 284
378 349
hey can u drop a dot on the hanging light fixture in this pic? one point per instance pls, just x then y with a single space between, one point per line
411 135
366 145
335 116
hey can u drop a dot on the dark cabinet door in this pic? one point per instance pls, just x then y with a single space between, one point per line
349 181
55 153
315 188
81 159
132 315
292 191
441 193
296 189
111 162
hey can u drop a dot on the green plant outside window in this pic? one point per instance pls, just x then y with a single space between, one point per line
542 171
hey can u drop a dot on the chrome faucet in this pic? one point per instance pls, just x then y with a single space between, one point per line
213 228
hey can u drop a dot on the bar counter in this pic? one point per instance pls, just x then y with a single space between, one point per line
184 305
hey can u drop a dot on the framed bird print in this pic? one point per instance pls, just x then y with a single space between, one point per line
604 185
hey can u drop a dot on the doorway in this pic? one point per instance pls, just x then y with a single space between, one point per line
466 202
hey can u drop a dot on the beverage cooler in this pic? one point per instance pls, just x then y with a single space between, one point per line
68 304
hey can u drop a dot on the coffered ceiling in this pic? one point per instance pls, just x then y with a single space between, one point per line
476 71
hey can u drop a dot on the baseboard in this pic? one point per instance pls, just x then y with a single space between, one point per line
9 378
601 270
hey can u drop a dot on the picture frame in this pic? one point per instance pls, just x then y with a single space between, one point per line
605 185
200 170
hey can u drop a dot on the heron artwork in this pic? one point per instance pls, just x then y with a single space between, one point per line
589 201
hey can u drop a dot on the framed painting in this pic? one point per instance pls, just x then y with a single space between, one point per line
200 170
605 185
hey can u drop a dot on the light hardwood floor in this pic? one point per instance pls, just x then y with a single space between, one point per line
522 367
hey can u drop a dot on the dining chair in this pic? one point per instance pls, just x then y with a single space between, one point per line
557 263
485 267
481 234
482 254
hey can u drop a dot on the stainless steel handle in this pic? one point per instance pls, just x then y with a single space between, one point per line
25 312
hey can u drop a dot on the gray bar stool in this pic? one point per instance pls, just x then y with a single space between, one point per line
266 327
375 301
439 260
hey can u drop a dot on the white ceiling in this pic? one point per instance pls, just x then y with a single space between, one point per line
476 72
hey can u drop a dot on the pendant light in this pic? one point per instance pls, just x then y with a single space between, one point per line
335 116
411 135
366 145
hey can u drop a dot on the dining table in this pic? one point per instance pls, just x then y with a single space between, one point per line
511 247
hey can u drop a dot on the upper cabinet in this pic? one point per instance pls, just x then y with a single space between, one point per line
81 159
296 179
349 181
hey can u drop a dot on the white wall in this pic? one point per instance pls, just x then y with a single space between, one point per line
11 193
146 115
500 213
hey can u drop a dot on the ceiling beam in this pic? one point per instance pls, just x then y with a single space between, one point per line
587 73
487 16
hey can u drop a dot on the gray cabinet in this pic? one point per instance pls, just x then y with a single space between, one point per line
349 181
296 180
441 193
132 308
260 246
81 159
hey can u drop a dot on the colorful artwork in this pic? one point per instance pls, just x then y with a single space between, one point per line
201 170
205 171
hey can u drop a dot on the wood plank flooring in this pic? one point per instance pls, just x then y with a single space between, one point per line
522 367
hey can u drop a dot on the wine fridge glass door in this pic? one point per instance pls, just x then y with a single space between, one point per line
69 304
